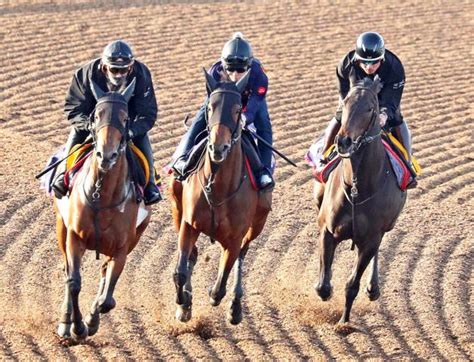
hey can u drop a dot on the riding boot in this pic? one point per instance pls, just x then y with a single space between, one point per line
179 160
58 185
263 125
263 176
329 135
152 193
402 134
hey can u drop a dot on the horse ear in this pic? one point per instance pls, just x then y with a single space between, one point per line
96 90
211 83
377 85
128 92
352 77
242 83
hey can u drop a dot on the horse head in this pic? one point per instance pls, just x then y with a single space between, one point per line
359 116
223 112
110 127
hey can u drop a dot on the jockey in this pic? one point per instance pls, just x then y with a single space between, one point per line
368 59
236 59
113 71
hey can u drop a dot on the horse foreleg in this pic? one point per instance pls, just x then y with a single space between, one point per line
228 257
106 301
65 321
327 246
318 193
372 290
93 319
235 312
353 284
74 252
182 277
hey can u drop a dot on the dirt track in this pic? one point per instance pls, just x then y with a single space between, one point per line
426 307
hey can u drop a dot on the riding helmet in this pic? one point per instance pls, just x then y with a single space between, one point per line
237 52
117 54
370 46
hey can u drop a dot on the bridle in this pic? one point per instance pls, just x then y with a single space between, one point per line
112 121
236 128
236 132
365 138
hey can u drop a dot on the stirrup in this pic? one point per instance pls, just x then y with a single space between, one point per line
265 182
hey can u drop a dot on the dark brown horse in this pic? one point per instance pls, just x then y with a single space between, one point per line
219 201
102 214
361 200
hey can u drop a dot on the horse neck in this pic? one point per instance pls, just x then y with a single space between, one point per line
369 164
113 181
229 173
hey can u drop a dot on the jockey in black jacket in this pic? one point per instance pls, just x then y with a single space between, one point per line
368 59
112 72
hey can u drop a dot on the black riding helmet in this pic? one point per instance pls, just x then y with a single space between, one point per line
370 46
117 54
237 52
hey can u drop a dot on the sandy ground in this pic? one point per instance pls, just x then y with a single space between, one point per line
426 307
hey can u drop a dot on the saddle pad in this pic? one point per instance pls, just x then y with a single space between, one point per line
398 166
143 161
251 175
321 171
78 151
414 162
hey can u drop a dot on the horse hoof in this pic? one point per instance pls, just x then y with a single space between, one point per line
64 330
183 314
373 294
324 292
216 297
344 328
214 302
92 323
235 313
80 333
107 305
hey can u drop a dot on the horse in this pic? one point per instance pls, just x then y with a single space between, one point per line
218 200
102 216
361 200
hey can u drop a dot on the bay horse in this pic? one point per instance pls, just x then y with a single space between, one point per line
102 214
219 201
361 200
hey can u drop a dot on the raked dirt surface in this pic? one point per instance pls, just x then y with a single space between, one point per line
426 263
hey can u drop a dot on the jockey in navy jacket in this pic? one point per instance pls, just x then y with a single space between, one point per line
236 57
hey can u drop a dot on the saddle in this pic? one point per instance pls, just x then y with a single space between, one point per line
323 165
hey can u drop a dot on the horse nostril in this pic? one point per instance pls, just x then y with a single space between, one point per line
98 154
114 156
345 141
211 147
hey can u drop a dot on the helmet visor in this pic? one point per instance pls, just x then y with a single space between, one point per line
117 62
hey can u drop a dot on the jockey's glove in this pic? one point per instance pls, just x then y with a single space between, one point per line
245 120
131 134
382 118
